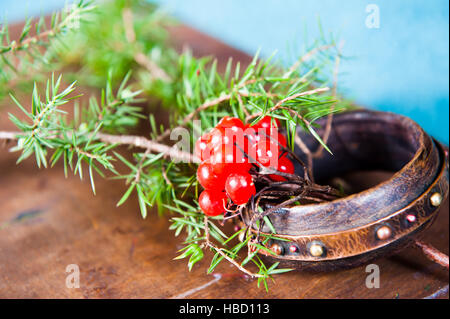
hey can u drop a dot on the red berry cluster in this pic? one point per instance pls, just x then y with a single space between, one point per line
228 153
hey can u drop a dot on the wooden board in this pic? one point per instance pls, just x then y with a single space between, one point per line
48 222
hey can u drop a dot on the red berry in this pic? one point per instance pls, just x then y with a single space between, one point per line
228 138
240 187
208 179
267 153
282 140
232 123
229 160
218 164
212 203
266 123
284 166
216 138
231 135
228 151
203 148
250 138
277 138
251 134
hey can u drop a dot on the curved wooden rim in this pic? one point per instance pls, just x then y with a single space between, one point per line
375 221
369 205
363 239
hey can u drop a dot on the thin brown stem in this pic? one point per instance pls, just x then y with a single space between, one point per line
8 135
308 56
127 17
152 67
234 262
327 132
301 144
166 178
34 39
139 166
223 254
310 155
304 148
142 142
433 254
289 98
295 113
88 155
133 140
241 103
142 59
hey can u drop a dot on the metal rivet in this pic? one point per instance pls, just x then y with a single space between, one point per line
436 199
384 232
316 250
277 249
411 218
293 249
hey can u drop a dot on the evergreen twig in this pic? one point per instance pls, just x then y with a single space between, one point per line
134 39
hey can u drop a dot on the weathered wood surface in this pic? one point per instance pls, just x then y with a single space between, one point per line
48 222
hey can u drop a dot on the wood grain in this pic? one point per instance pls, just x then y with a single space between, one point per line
48 222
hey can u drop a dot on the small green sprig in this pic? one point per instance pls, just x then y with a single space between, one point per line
125 35
32 48
42 133
49 130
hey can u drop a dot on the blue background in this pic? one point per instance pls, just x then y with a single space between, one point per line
403 66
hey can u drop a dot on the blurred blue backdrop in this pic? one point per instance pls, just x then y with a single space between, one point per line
402 66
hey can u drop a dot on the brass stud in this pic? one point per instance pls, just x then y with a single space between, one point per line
384 232
277 249
411 218
316 250
293 249
436 199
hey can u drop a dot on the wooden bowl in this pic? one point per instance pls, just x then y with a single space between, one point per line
377 221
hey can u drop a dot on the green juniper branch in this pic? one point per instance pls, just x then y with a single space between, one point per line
192 89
